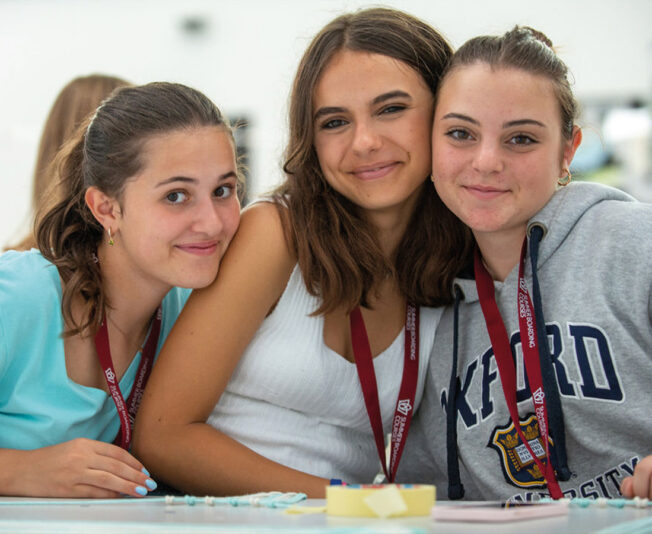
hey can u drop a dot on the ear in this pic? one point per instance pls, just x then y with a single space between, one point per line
104 208
570 147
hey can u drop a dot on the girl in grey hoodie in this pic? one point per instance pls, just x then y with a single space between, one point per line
539 380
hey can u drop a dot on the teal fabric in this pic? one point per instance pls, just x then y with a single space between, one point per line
39 404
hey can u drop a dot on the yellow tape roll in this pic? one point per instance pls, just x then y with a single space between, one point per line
380 500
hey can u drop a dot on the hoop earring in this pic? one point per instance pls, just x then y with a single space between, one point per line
565 180
111 242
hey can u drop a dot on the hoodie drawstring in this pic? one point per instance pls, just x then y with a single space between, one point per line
555 416
553 401
455 487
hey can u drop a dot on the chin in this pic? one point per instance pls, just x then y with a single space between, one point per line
199 280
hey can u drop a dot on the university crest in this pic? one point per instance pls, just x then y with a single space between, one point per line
519 468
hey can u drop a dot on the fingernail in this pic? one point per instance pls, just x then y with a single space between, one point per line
141 491
145 471
151 484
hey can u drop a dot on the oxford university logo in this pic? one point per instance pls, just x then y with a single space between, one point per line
519 468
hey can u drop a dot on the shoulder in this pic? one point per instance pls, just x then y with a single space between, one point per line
264 213
584 214
618 222
262 232
24 275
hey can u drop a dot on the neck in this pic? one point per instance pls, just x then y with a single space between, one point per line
501 251
390 224
132 301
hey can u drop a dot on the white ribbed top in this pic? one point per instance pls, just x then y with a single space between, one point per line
294 400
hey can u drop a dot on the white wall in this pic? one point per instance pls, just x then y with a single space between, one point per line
246 59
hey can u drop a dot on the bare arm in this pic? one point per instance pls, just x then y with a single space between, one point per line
76 468
200 354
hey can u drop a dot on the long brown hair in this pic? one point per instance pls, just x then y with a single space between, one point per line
78 99
338 253
105 152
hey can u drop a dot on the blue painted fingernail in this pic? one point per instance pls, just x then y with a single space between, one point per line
151 484
145 471
141 491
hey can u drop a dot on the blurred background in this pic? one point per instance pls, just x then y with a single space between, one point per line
243 55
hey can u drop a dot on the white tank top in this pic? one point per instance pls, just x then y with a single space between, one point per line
297 402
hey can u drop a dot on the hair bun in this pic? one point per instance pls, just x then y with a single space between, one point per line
536 34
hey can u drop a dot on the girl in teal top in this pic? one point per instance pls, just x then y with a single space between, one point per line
145 200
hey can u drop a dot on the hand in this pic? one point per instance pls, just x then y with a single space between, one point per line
81 468
639 485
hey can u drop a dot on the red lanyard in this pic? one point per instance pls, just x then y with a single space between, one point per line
405 403
127 411
505 361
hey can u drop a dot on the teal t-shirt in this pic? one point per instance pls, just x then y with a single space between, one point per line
39 404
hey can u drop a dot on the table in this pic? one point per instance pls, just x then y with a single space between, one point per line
138 516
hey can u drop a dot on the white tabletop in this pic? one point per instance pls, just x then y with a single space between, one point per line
144 516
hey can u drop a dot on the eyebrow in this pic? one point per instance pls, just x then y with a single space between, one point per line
378 100
522 122
460 117
186 180
509 124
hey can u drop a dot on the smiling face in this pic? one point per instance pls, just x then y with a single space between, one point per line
498 149
178 215
372 122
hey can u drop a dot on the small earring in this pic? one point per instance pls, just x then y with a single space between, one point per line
111 242
565 180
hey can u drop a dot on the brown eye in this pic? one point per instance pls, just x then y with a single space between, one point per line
522 140
224 191
459 134
332 124
392 109
176 197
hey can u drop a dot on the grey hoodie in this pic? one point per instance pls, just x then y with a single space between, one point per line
595 275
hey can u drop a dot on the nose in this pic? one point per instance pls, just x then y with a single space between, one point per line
487 158
208 217
366 138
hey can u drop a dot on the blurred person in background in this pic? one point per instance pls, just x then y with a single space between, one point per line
78 99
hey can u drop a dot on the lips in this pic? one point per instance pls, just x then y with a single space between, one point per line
486 192
374 171
205 248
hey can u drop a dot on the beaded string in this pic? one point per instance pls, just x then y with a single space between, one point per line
602 502
273 499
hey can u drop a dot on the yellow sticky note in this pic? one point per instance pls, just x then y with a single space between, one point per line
380 500
386 502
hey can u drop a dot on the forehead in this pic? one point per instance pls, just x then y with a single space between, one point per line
353 75
184 145
481 89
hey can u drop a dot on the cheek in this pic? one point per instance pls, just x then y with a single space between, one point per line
444 163
233 220
323 149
